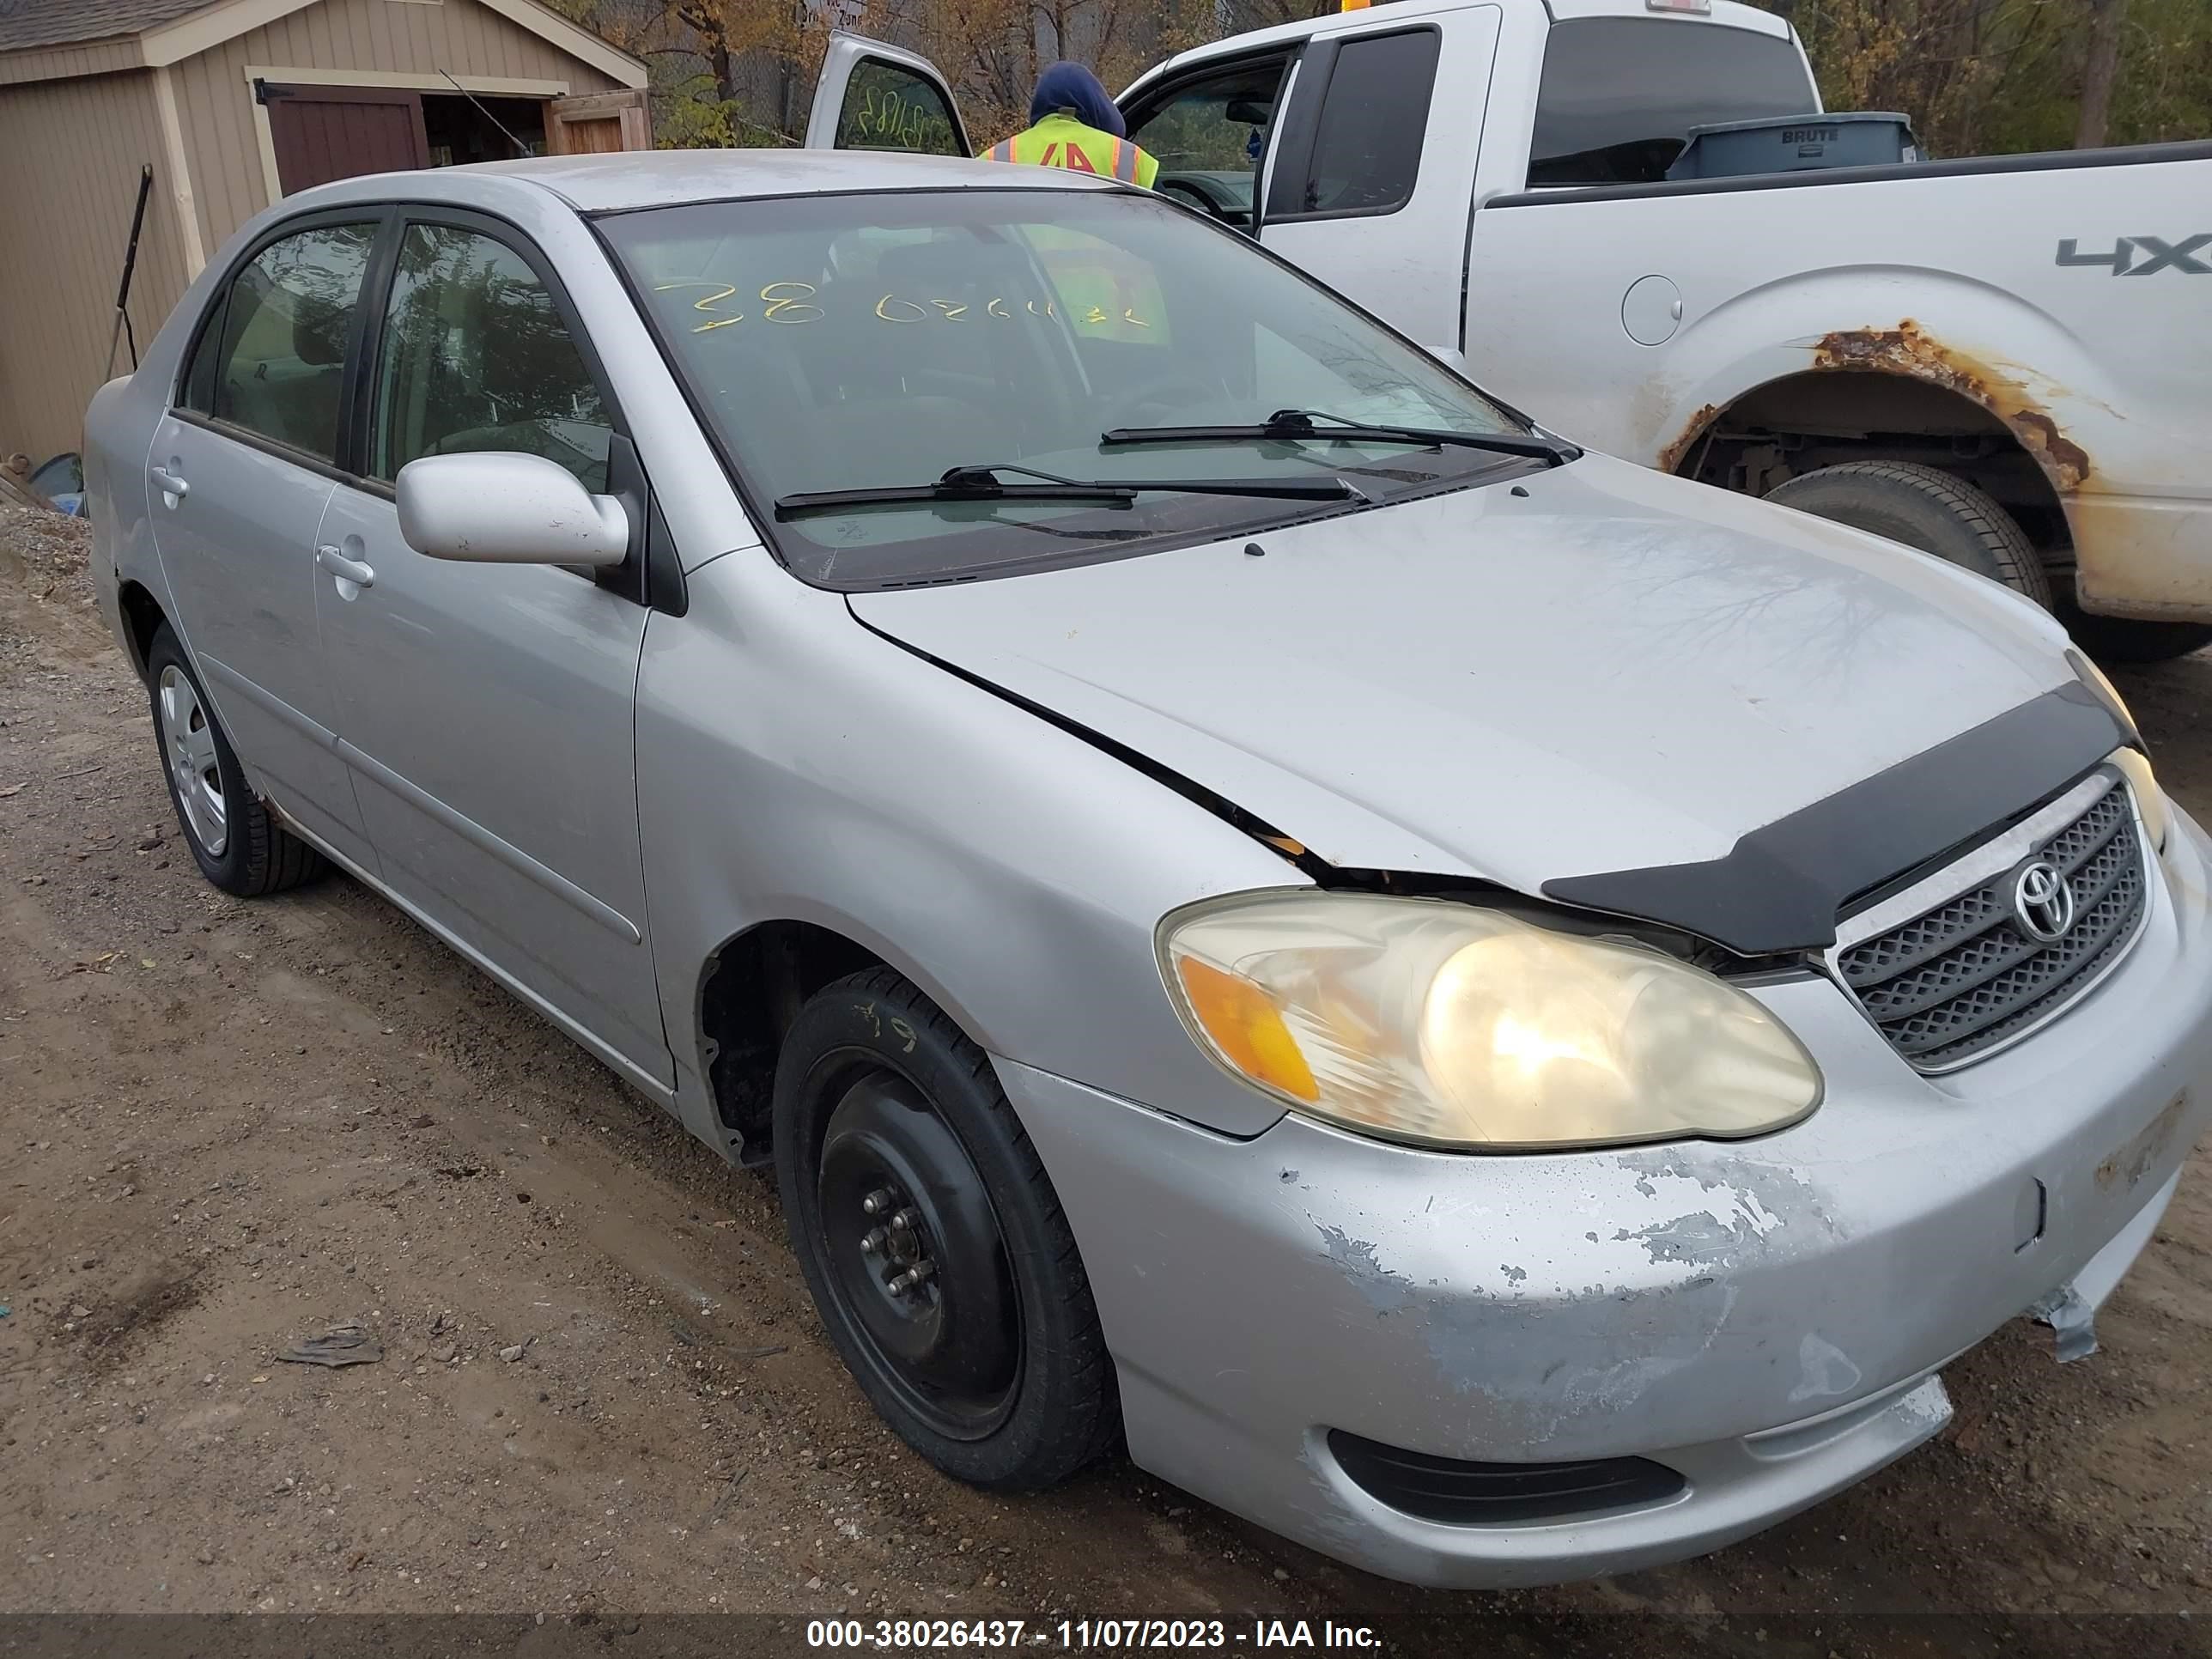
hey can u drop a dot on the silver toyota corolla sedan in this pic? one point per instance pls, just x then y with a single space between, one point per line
1498 1013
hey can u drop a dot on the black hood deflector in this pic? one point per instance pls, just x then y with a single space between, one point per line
1782 888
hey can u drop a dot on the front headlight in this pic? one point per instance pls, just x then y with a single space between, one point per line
1449 1026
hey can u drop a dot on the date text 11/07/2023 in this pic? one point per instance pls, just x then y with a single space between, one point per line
1084 1635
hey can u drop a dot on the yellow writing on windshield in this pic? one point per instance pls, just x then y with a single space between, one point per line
722 291
793 302
795 305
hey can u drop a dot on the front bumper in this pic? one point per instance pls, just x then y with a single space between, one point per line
1766 1318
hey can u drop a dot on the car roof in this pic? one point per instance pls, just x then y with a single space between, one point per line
614 181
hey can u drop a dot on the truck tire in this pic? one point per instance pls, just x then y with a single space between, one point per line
1923 507
2124 640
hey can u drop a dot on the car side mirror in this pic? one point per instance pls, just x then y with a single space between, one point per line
501 506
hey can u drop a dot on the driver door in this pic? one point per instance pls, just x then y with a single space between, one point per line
879 97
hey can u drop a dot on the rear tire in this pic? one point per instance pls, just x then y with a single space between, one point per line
1927 510
896 1150
237 844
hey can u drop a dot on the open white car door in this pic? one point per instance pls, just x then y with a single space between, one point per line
874 96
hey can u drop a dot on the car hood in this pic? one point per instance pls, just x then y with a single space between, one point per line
1614 670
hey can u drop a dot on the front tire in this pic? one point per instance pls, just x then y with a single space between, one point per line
934 1245
1926 509
237 844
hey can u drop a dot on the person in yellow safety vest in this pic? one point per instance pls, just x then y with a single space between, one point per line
1073 124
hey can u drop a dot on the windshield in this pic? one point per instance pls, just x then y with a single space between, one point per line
1620 94
870 341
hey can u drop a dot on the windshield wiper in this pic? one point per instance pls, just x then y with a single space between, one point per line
1294 425
974 485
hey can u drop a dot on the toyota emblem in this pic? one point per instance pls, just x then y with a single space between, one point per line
2043 901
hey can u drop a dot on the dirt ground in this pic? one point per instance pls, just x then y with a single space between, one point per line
227 1126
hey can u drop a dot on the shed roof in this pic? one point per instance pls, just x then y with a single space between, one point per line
66 22
35 34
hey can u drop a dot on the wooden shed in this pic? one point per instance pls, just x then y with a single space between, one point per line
234 104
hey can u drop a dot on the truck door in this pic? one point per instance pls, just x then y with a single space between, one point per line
875 97
1371 179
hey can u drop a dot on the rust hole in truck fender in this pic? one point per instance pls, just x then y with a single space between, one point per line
1908 350
1672 457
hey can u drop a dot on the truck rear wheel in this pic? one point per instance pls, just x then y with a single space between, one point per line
1926 509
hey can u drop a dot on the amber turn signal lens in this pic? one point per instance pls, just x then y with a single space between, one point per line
1245 1026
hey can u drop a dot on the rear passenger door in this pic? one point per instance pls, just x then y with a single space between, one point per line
1371 181
240 471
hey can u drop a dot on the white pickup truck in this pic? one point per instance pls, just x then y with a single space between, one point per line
2006 362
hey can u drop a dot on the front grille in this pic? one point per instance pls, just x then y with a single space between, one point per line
1960 980
1463 1494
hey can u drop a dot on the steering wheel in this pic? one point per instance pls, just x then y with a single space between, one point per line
1203 196
1192 196
1147 404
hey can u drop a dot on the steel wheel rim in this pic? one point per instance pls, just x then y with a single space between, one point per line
896 1194
195 770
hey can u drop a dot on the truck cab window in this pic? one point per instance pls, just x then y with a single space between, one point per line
1619 95
1209 137
1374 114
1367 148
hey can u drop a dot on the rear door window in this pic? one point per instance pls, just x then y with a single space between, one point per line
274 363
1367 146
1619 95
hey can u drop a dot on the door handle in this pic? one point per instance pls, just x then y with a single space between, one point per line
351 570
168 483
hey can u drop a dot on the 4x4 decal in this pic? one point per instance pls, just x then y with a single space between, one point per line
2157 255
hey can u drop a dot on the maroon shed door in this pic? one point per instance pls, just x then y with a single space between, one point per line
322 133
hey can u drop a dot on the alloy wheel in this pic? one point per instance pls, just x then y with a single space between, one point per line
188 746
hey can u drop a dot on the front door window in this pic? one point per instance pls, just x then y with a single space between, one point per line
1210 137
475 356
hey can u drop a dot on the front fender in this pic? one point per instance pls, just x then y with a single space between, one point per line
792 765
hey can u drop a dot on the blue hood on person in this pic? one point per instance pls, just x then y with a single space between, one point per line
1071 86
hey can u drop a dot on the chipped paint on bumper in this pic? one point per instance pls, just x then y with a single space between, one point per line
1766 1317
